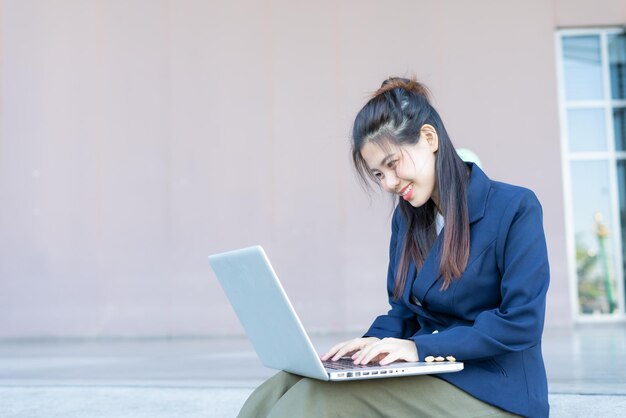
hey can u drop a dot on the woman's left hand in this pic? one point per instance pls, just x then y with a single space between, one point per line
389 349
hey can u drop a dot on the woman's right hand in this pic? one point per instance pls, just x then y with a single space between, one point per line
349 347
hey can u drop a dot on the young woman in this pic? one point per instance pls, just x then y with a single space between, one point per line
468 275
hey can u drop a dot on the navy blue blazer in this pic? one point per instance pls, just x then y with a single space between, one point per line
492 317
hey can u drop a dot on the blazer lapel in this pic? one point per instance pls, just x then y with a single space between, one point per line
477 193
408 294
429 273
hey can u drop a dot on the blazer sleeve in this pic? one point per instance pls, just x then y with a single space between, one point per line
517 323
400 321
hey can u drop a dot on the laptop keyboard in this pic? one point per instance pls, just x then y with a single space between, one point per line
344 363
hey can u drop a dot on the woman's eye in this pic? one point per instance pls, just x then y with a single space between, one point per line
392 164
379 176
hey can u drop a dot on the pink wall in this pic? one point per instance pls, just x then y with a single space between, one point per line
138 137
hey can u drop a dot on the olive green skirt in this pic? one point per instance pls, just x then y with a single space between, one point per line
286 395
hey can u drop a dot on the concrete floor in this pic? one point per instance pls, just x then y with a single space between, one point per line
211 377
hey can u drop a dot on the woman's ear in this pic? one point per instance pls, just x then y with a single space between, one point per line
429 133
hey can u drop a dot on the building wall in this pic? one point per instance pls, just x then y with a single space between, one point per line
137 137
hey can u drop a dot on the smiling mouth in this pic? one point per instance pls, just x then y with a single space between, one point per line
404 192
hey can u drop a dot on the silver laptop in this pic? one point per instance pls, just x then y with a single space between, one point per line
276 332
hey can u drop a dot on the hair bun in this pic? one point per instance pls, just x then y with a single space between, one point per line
410 85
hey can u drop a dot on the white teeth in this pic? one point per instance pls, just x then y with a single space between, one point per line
408 189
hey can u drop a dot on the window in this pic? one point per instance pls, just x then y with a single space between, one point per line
592 102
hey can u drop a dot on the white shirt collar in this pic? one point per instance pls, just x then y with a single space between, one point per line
439 222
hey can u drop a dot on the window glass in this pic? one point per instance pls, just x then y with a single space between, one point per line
621 182
593 240
586 130
582 63
617 65
619 128
593 76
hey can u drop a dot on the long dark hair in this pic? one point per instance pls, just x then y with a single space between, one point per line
395 114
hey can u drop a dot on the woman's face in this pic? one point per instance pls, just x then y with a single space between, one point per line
406 170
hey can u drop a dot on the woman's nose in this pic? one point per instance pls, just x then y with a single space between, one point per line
391 181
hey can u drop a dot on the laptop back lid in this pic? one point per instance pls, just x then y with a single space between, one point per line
267 316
